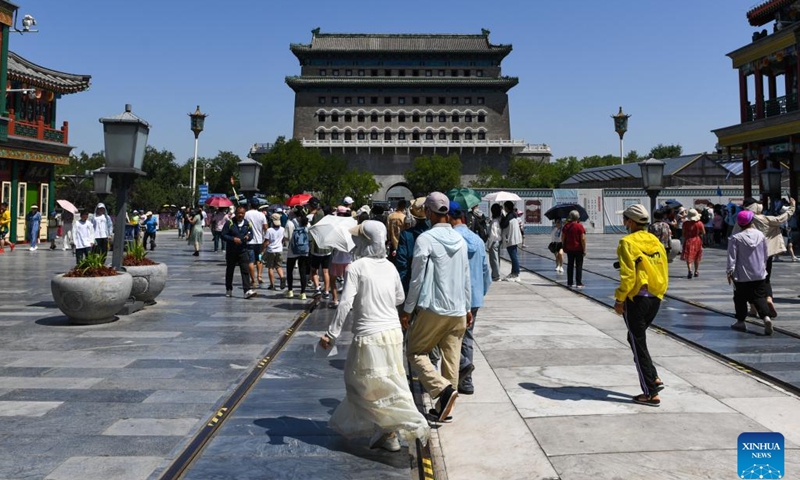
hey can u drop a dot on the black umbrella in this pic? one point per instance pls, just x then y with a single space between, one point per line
562 211
672 203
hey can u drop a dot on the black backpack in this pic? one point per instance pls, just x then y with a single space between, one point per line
482 225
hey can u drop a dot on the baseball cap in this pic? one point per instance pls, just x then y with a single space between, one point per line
437 202
637 213
348 200
744 217
276 219
455 210
417 208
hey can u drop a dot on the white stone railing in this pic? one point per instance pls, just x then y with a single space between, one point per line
536 148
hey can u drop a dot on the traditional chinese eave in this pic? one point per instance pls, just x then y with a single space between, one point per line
29 73
503 83
765 12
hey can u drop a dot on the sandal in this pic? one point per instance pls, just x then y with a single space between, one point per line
659 385
650 401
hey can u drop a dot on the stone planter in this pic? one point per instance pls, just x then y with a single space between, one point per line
148 281
91 300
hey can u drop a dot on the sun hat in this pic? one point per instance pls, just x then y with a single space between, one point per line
35 206
417 208
276 219
148 213
693 215
437 202
744 218
637 213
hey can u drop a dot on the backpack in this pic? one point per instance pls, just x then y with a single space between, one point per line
705 217
299 242
482 226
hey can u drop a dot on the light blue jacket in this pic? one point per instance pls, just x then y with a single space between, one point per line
480 275
440 276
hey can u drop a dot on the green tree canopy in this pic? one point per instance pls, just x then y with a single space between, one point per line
666 151
434 173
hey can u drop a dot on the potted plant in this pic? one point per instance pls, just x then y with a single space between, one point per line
91 293
149 277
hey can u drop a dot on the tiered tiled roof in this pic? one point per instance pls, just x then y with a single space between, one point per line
22 70
400 43
504 83
765 12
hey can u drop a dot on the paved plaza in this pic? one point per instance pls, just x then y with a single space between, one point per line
553 383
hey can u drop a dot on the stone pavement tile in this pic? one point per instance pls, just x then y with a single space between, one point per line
64 445
123 334
163 384
112 411
695 364
540 328
508 450
780 414
9 323
48 383
487 387
733 385
577 375
185 396
535 401
77 395
152 426
552 342
280 446
345 466
89 423
105 468
49 358
26 372
635 433
26 409
186 363
113 372
590 356
34 467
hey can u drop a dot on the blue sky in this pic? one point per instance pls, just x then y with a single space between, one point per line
577 62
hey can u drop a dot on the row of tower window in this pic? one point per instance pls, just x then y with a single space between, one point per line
388 72
401 117
401 135
402 100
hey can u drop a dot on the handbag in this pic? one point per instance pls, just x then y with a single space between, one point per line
552 247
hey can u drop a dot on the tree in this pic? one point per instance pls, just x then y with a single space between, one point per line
434 174
489 178
633 157
666 151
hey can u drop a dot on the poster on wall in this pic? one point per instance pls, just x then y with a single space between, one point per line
533 211
565 195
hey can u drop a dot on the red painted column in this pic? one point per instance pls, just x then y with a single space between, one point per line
747 179
797 78
759 93
762 164
773 86
743 103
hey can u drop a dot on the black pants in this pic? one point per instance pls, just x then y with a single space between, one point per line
750 292
100 246
574 266
302 267
639 314
232 259
80 253
767 284
152 237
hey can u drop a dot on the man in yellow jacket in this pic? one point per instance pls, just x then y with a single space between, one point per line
643 283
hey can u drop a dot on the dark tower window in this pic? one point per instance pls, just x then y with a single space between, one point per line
442 117
361 117
348 117
373 100
481 100
415 136
481 118
468 117
481 135
387 135
455 117
361 135
429 118
454 136
373 135
387 117
442 135
348 100
335 72
361 72
401 135
322 72
373 118
321 100
415 117
347 135
334 117
334 135
320 135
401 117
468 135
428 135
335 100
361 100
321 117
387 100
442 101
453 73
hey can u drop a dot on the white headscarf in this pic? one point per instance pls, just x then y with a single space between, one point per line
370 239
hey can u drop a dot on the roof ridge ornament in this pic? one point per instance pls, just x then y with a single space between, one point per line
315 32
485 32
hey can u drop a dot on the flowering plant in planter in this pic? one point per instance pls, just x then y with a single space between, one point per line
137 257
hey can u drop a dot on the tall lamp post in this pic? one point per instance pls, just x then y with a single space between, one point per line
198 120
652 180
125 137
249 170
621 126
771 179
102 183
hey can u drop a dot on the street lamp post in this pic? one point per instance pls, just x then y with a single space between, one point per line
652 180
771 179
102 183
125 137
621 126
198 120
249 170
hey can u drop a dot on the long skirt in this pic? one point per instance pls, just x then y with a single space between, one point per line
378 396
196 238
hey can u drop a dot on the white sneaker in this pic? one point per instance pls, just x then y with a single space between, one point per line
250 293
386 441
289 294
228 293
767 326
33 249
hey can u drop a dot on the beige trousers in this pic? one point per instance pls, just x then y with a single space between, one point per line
428 331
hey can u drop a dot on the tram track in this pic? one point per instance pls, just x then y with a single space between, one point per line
743 367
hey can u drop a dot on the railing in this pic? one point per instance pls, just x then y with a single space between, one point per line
774 107
533 148
37 130
415 143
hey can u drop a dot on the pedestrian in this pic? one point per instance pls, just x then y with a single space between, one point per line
33 221
103 229
512 238
150 228
521 220
340 261
180 215
440 294
573 238
480 280
274 238
196 235
770 226
297 237
408 238
396 223
693 231
5 227
747 270
236 233
378 398
83 236
320 257
258 222
718 223
218 221
643 281
494 240
660 228
53 225
556 246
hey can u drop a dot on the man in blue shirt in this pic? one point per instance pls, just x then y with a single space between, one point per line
440 293
480 279
150 224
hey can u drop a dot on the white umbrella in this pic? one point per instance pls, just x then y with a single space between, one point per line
332 232
500 197
68 206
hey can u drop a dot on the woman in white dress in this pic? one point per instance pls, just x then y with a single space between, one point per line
378 401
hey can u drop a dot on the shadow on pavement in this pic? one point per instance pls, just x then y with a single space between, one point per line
577 393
